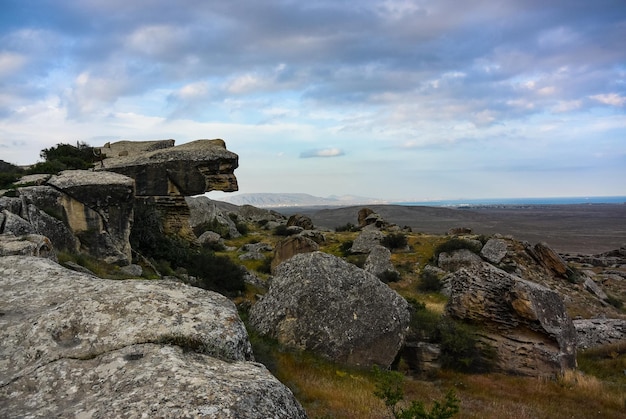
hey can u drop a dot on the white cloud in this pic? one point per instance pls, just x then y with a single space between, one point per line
322 152
612 99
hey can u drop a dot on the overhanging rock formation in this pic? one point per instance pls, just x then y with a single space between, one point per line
164 174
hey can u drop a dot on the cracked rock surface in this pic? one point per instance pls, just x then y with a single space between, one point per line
72 344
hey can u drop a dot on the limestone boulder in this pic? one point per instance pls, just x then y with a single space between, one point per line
28 245
455 260
366 241
525 322
378 262
204 211
494 250
550 259
592 333
321 303
72 344
300 220
291 246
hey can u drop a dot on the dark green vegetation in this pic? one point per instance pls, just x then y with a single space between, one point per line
389 388
172 254
55 159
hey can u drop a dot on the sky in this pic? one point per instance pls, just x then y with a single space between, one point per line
390 99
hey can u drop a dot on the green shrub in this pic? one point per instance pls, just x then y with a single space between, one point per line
389 388
394 241
282 230
346 248
461 349
242 228
429 281
213 225
424 323
346 227
615 302
65 157
456 244
389 276
216 273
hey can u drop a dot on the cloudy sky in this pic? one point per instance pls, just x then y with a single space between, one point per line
392 99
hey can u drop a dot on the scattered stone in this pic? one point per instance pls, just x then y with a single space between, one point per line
379 261
291 246
592 333
366 241
27 245
462 258
459 231
494 250
300 220
550 259
132 270
321 303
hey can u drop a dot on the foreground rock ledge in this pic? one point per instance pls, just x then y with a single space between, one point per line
71 344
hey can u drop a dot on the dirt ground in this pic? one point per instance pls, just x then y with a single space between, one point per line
577 228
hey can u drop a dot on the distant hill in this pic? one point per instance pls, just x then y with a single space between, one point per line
277 200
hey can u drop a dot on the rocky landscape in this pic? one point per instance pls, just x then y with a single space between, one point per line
152 343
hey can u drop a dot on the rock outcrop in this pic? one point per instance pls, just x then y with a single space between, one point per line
78 210
525 322
321 303
71 344
165 174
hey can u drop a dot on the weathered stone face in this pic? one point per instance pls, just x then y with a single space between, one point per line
321 303
188 169
526 323
71 344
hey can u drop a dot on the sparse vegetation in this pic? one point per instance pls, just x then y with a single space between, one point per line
389 388
65 157
457 244
429 281
9 173
394 241
389 276
346 227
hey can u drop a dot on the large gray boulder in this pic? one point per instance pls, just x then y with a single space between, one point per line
525 322
379 261
204 211
366 241
71 344
321 303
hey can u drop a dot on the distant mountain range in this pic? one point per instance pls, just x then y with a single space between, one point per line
276 200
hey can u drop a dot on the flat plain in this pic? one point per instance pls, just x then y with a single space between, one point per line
575 228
